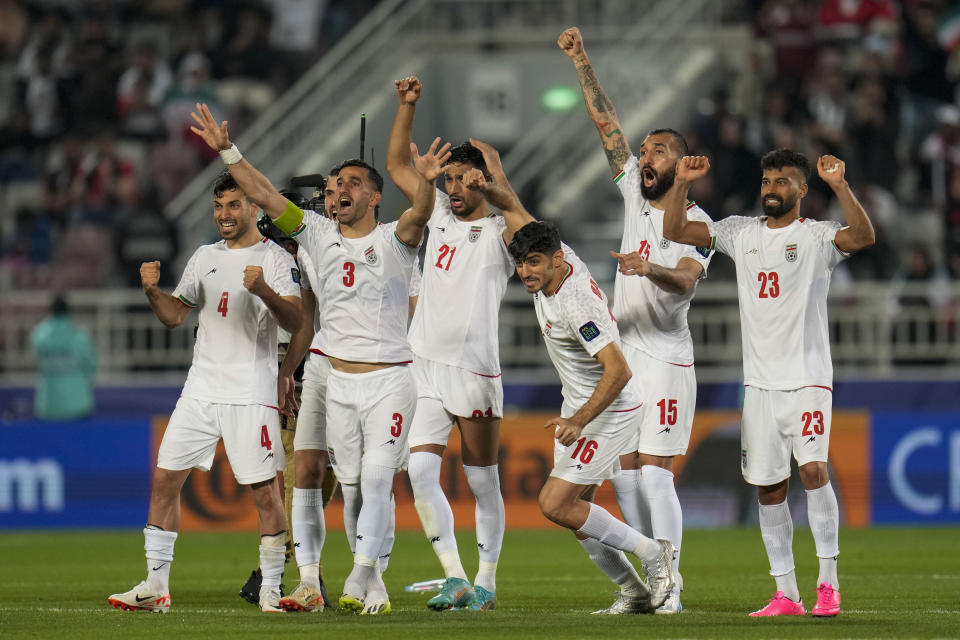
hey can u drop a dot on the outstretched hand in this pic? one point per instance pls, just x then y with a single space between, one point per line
215 135
430 164
408 89
491 157
831 170
571 42
474 180
692 168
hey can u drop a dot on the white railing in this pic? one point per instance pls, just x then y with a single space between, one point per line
871 338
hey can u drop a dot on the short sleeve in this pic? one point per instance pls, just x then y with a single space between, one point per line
701 254
589 318
188 290
284 275
311 230
415 278
826 232
305 265
404 251
725 233
628 180
441 211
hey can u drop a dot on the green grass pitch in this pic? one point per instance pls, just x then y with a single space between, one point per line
896 583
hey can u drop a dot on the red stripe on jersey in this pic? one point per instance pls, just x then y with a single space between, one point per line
318 352
627 410
484 375
565 278
818 386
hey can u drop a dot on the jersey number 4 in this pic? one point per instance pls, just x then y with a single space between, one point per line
222 306
265 438
769 284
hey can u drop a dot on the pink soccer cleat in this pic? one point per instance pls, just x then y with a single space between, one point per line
780 605
828 601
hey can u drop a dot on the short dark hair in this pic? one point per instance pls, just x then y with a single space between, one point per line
59 306
780 158
225 182
372 173
334 171
466 153
535 237
679 139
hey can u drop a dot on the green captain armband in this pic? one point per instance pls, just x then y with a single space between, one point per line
291 220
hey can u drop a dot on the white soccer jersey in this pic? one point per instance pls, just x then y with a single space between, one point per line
415 278
235 356
783 276
304 267
364 287
651 319
465 273
576 324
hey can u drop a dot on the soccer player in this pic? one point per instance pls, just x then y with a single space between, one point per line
598 416
454 336
783 267
653 288
364 272
244 286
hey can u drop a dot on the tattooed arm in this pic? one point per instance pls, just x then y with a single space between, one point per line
599 107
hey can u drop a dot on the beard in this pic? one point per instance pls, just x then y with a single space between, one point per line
780 209
660 187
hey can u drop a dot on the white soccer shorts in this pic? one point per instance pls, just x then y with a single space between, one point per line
595 455
368 419
669 395
462 392
312 417
778 423
250 433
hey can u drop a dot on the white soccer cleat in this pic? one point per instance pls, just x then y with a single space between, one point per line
141 598
304 598
660 574
270 600
628 605
671 605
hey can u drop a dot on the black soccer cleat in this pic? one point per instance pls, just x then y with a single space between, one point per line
250 591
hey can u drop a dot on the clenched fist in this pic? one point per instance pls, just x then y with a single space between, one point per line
571 42
408 89
253 280
150 275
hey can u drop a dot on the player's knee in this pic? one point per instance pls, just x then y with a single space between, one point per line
554 507
814 475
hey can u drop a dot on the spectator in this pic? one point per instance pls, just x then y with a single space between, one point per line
66 363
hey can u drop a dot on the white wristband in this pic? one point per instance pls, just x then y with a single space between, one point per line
231 155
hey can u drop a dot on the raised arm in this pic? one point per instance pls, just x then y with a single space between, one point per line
676 226
679 279
599 107
428 166
253 183
615 376
171 311
286 309
858 234
398 148
498 191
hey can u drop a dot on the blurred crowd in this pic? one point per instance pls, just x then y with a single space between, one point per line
95 97
873 82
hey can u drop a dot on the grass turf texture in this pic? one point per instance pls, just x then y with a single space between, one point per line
896 583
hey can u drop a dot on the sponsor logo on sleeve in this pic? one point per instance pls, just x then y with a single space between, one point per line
704 251
295 274
589 331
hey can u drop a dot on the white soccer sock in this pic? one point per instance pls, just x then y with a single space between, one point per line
434 511
376 482
490 516
389 537
614 564
309 532
824 516
627 486
158 545
272 552
776 527
661 496
352 501
600 524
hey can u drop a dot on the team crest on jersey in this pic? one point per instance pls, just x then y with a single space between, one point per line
790 253
295 274
589 331
371 256
475 233
547 328
664 243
